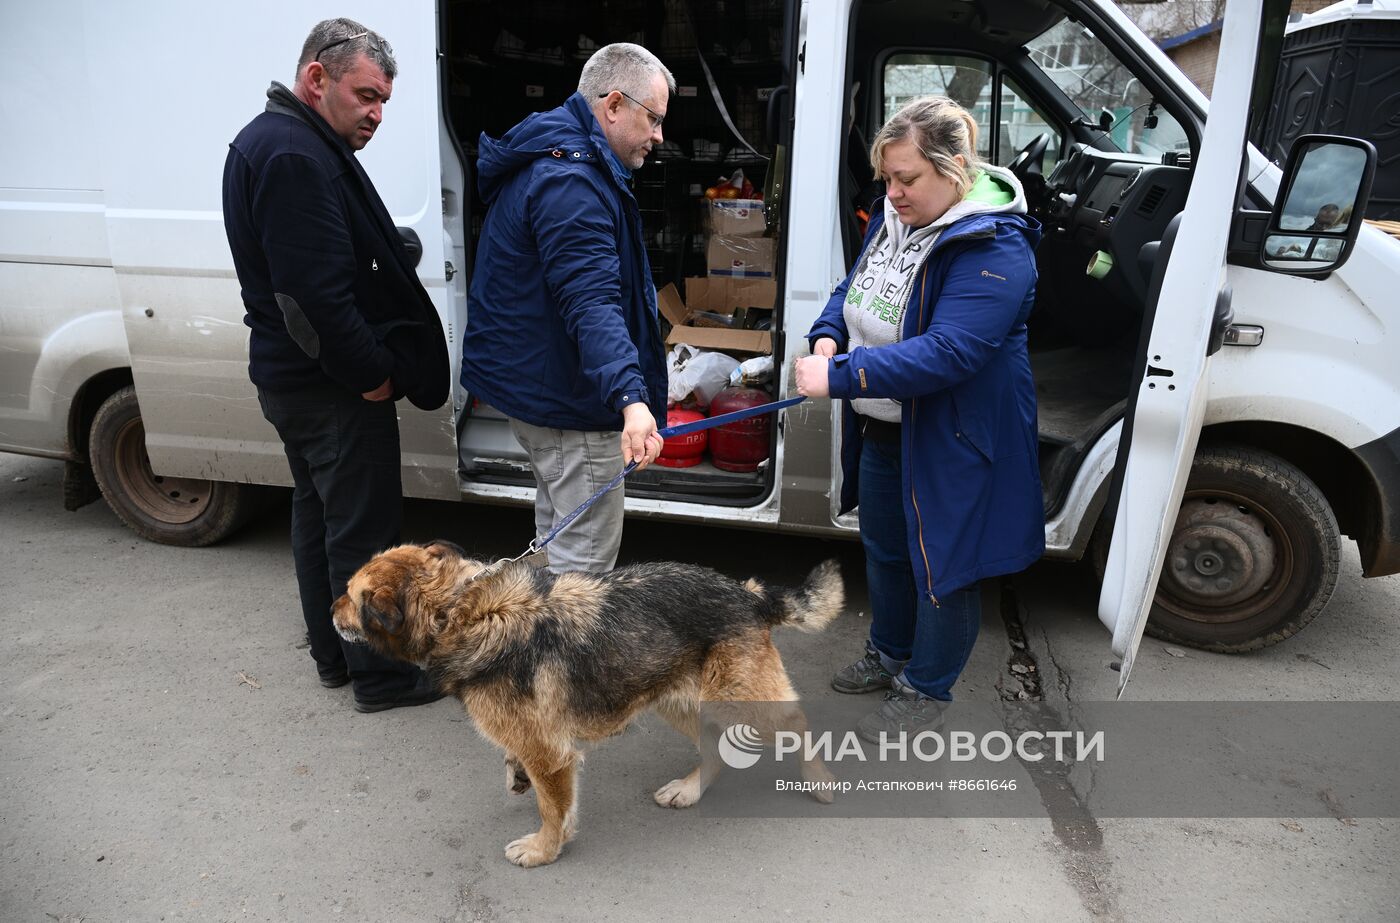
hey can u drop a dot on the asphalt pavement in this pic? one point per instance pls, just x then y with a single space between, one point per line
167 753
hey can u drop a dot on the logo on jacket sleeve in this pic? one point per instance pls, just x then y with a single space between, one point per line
986 274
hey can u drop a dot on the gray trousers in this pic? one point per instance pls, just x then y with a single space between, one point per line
570 465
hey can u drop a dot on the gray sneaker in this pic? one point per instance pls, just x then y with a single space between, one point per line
865 675
904 711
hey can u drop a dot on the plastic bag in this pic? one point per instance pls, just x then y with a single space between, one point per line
754 372
698 373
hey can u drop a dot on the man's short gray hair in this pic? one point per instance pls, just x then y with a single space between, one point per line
622 66
336 43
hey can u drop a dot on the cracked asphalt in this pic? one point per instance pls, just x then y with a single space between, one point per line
166 753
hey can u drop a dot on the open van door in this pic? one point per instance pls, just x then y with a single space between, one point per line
1188 310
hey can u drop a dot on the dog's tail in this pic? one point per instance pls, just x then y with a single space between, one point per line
813 605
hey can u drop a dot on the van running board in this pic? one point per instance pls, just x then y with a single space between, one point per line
702 480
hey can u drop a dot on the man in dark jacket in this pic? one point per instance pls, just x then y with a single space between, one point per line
562 336
341 328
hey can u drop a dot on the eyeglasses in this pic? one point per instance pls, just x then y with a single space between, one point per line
377 42
652 117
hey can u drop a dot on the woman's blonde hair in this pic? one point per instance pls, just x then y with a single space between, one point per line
941 130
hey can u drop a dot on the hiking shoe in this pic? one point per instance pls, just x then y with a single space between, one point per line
904 711
865 675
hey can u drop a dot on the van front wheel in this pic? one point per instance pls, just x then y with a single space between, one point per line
1253 558
172 511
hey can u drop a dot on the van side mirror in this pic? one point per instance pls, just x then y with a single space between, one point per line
1317 215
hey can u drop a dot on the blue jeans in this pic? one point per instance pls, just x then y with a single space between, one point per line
924 645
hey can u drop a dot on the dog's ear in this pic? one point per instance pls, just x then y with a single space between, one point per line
384 608
442 548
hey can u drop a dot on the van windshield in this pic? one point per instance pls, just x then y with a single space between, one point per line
1094 80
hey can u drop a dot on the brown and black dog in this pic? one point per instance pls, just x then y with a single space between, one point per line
545 663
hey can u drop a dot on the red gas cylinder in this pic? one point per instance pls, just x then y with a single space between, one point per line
683 451
743 444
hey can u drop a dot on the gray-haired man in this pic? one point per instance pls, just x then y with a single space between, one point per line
563 336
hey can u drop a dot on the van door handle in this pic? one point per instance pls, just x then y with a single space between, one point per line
412 245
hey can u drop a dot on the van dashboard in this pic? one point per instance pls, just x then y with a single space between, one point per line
1114 203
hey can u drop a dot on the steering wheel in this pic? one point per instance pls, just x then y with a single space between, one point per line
1031 160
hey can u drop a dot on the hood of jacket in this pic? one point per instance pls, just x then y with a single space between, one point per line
571 131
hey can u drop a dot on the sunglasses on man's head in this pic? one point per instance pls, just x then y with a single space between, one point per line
378 43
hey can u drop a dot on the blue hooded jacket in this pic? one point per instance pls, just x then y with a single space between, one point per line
561 328
971 474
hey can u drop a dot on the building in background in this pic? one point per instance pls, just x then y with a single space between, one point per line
1189 31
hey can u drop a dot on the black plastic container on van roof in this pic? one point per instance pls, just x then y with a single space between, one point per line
1343 77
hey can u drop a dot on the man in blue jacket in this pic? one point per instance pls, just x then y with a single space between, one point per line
341 328
562 335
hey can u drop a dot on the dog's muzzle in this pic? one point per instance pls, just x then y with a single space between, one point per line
354 637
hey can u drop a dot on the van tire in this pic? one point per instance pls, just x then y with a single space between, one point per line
1253 559
172 511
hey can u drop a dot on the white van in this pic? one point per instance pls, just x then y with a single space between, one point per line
1257 378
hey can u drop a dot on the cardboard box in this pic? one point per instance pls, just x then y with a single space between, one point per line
736 217
723 297
741 257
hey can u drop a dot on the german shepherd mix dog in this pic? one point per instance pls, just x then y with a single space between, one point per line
544 663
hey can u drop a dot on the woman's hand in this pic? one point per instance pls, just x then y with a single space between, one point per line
825 347
811 373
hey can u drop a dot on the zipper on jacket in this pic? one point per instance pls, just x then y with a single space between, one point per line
909 437
943 240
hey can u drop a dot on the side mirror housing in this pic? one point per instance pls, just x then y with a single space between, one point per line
1322 200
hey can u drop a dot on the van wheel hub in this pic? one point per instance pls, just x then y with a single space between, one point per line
165 499
1221 555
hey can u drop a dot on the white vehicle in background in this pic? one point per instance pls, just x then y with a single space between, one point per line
1247 355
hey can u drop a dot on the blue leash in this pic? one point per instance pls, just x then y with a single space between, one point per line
683 429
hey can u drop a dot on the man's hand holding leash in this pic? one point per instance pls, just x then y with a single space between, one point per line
640 440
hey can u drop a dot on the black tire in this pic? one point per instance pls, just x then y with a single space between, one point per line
172 511
1253 558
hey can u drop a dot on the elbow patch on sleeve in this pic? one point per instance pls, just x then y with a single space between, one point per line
303 334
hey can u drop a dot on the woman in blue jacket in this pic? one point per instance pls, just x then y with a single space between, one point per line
925 340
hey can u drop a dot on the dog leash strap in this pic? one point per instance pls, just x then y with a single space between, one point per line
684 429
537 545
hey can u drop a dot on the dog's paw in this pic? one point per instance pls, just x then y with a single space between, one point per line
531 850
679 793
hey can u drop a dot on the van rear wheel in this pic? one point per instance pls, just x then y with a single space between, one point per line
172 511
1253 558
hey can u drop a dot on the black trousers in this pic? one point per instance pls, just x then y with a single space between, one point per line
347 506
